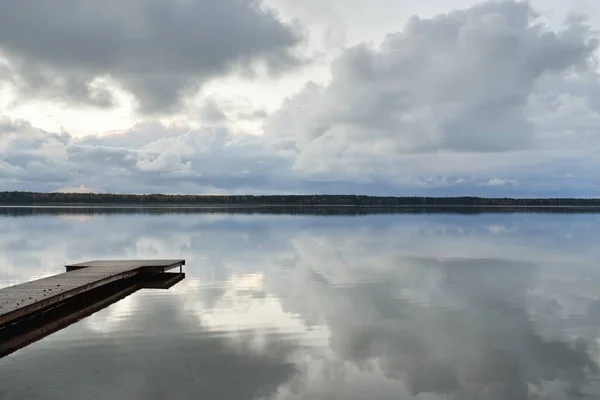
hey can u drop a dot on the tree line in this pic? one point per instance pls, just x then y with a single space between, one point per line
37 198
324 211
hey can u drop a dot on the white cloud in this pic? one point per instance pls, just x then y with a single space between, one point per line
456 82
79 189
161 162
500 182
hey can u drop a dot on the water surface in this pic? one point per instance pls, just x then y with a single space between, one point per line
399 306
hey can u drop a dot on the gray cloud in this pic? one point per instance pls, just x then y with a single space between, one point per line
457 82
215 110
212 112
156 50
166 159
483 101
152 157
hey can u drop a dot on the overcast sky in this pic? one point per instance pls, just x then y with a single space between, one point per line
390 97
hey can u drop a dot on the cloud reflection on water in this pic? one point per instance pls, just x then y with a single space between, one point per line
424 306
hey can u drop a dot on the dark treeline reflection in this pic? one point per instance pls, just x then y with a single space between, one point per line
29 211
405 306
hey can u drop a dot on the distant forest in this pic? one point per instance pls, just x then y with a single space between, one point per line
33 198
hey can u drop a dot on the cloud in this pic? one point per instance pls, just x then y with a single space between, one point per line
482 101
211 111
500 182
157 51
458 82
153 157
172 160
79 189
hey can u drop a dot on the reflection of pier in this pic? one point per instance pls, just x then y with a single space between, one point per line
33 310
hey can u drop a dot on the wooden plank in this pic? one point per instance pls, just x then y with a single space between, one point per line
129 264
59 320
20 300
163 281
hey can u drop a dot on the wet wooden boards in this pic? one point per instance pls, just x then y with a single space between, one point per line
27 298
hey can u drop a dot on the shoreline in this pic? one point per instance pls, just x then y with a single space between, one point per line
287 202
250 206
283 210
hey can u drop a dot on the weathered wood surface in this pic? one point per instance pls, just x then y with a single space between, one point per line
26 298
128 264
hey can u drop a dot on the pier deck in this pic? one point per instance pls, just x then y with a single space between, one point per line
27 298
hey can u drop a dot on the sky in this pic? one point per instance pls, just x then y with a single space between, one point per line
380 97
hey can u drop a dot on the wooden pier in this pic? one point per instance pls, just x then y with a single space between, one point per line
27 299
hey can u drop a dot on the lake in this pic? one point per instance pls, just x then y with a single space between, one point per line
376 306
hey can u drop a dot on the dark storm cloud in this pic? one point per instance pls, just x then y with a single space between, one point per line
157 50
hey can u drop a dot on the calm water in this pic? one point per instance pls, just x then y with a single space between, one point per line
309 307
